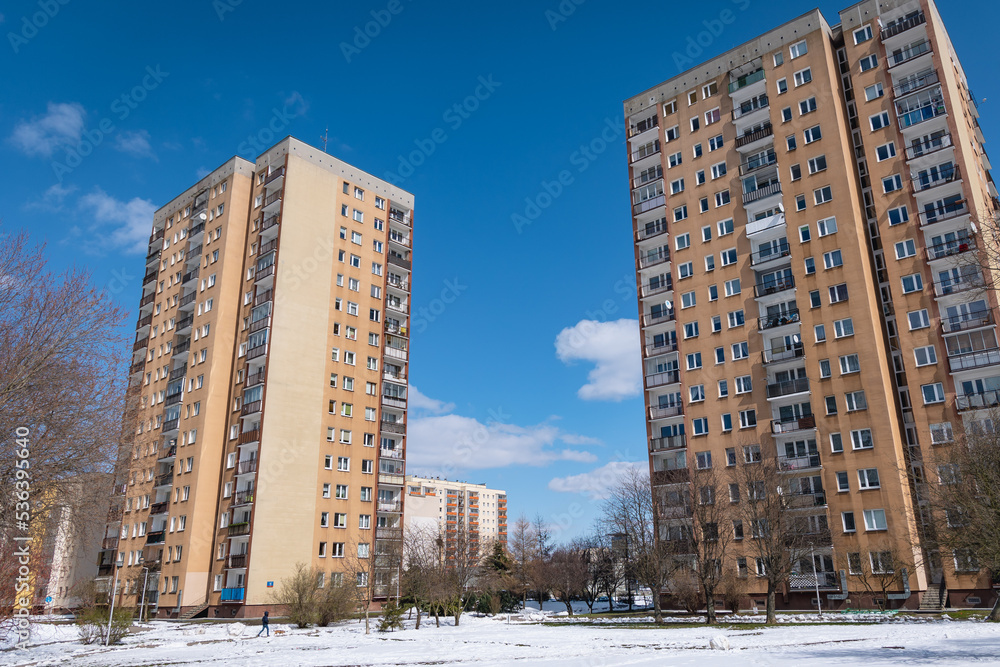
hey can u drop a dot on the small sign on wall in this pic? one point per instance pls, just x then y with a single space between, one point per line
270 584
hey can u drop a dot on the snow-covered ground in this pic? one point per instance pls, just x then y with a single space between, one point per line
523 640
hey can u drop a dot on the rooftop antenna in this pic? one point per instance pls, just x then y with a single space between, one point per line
325 138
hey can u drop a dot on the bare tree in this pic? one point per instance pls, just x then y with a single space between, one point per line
296 595
569 574
879 571
712 533
767 511
965 501
522 553
61 396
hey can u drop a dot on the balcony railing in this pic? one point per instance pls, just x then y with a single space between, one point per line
792 463
145 301
399 284
902 25
174 398
649 259
232 594
168 452
669 442
159 537
948 174
928 146
661 379
973 320
805 500
109 543
255 378
388 533
809 581
770 254
909 53
645 151
246 467
394 401
395 507
972 360
159 508
253 435
746 80
237 529
256 351
399 261
272 199
648 176
266 272
805 423
751 105
393 427
943 213
250 408
657 412
779 354
391 453
262 323
171 425
951 286
164 480
921 114
751 166
644 125
652 290
913 84
651 229
237 561
244 497
665 477
187 299
270 222
664 348
788 387
950 248
773 286
262 298
750 138
274 175
761 193
649 319
779 320
649 204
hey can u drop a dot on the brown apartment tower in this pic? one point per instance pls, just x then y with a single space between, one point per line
804 207
270 375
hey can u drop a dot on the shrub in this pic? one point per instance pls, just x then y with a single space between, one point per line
92 624
392 617
333 603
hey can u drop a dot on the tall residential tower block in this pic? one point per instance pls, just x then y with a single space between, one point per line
806 212
270 381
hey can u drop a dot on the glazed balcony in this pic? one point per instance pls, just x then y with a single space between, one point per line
921 114
394 401
783 426
787 388
649 205
973 360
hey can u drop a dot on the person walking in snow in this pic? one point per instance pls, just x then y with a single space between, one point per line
263 625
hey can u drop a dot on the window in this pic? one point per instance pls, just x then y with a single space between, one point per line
694 360
722 198
695 124
691 330
680 213
812 134
699 426
723 388
704 460
725 227
869 62
740 351
932 393
688 300
856 401
803 76
817 164
744 384
849 363
718 170
790 144
805 234
708 90
795 171
843 482
838 293
712 116
713 292
863 34
703 205
682 241
832 259
697 393
824 369
798 49
779 58
810 265
831 405
715 143
727 422
918 319
716 323
748 418
905 249
847 518
685 270
925 356
873 92
728 257
782 86
814 299
941 433
706 234
898 216
836 443
892 183
862 439
822 195
751 454
912 283
879 120
875 520
843 328
340 520
699 177
674 160
732 287
868 478
807 106
343 464
786 114
709 263
677 186
885 151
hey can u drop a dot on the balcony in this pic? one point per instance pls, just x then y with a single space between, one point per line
270 223
660 317
272 199
105 570
910 53
746 80
167 453
661 288
644 126
645 151
945 174
145 301
771 254
796 463
394 427
396 329
185 323
667 477
394 401
753 137
393 507
902 25
173 399
662 379
773 287
972 360
761 193
779 354
237 561
262 298
171 425
159 508
164 480
985 400
398 284
195 231
232 594
929 216
952 286
187 300
649 205
244 497
255 378
154 254
667 443
181 348
274 175
809 581
973 320
928 147
798 501
779 320
648 176
263 273
950 248
395 479
109 543
140 344
659 256
395 353
238 529
388 533
921 114
246 467
399 261
250 408
396 306
665 412
788 388
653 349
750 106
780 427
391 453
159 537
750 166
771 222
247 437
399 217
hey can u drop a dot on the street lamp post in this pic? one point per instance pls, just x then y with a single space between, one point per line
142 606
812 557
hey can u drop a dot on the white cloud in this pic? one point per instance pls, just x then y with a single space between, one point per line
597 483
134 143
60 127
418 401
613 348
52 199
124 225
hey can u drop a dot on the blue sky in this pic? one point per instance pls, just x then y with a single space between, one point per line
525 349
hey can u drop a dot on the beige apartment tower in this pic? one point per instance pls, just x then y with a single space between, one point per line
805 212
461 513
270 375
